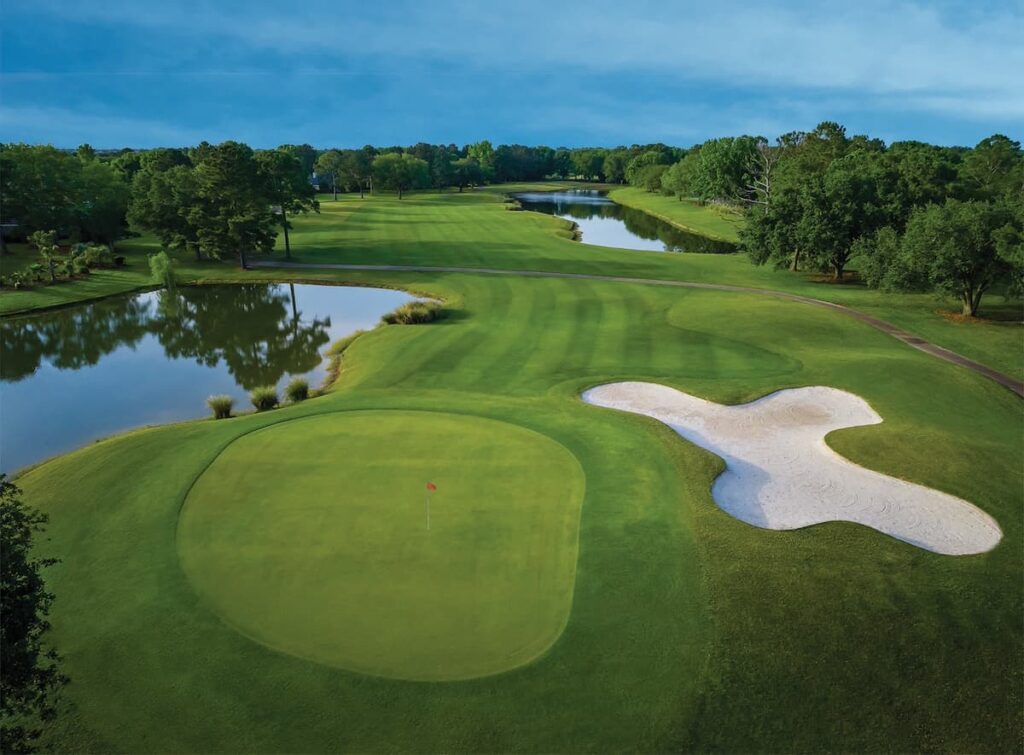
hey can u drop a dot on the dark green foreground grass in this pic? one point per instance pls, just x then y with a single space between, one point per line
688 630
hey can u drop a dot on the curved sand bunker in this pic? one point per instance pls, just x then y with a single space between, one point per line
780 473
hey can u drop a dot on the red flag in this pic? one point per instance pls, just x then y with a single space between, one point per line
431 487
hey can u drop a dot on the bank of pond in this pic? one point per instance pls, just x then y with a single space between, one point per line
74 375
603 222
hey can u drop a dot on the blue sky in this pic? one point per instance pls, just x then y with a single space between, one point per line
345 73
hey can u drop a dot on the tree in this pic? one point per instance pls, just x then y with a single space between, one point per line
466 172
760 171
164 201
102 204
441 173
287 187
644 160
771 233
233 215
358 168
31 679
37 187
649 177
994 168
679 178
960 248
85 153
304 153
45 243
400 172
614 167
331 163
723 169
128 163
483 153
561 163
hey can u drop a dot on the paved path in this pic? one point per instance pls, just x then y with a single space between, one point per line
910 339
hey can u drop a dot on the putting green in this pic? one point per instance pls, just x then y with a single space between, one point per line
311 537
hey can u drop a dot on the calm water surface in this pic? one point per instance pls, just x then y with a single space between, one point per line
603 222
70 376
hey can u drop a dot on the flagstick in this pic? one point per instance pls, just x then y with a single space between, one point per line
428 511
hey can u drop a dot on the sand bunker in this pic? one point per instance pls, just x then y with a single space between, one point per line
782 475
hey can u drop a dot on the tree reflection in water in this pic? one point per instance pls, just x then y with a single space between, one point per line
256 329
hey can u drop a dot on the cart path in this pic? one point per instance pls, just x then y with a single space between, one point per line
910 339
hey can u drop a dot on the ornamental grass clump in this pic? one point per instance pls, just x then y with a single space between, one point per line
414 313
221 406
264 397
297 390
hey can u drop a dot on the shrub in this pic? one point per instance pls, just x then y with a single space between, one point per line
221 406
264 397
414 313
297 390
98 256
161 268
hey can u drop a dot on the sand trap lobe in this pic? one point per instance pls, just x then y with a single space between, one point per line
780 474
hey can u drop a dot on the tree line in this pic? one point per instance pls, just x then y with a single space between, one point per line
912 216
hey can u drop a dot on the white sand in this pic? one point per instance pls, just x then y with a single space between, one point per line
782 475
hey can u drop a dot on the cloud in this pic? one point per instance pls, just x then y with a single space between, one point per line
875 47
66 127
599 70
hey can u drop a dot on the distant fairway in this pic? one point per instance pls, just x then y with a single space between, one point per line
325 553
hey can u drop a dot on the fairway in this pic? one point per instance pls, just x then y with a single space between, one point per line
326 554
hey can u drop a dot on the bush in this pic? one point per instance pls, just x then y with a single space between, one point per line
98 256
414 313
221 406
161 269
264 397
297 390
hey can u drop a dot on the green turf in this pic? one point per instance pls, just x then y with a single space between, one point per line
688 629
708 220
474 229
327 553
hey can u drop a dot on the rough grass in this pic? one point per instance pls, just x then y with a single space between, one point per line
220 406
689 630
414 313
264 397
297 389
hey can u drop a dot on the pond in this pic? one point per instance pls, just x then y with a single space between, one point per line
73 375
603 222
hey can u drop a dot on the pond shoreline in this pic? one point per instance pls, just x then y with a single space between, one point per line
597 219
73 375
